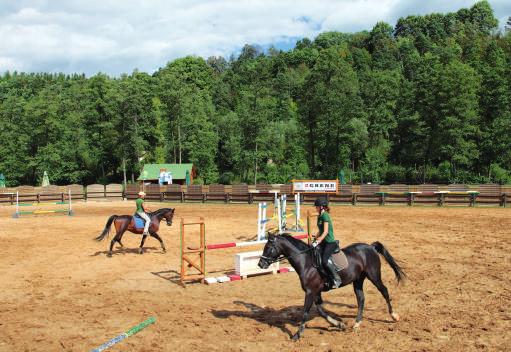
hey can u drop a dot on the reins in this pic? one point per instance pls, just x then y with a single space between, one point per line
279 259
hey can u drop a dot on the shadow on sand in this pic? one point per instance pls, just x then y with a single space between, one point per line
290 315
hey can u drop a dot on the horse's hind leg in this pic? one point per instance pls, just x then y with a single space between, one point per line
117 238
358 287
323 314
155 235
375 277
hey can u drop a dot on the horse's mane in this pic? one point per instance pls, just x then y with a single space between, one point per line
294 241
160 211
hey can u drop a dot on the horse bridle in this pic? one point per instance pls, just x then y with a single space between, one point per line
270 261
169 222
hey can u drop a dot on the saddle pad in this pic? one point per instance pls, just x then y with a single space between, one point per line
139 222
340 260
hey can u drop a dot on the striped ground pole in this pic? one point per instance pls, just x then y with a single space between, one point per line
124 335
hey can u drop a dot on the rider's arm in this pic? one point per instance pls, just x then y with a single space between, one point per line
323 235
146 209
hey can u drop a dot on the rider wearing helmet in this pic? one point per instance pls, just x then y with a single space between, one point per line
325 239
142 210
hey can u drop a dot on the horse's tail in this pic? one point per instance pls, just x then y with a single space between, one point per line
106 230
400 274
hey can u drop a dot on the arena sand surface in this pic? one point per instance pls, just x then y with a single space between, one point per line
61 293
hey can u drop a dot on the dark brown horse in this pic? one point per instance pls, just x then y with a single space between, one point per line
363 262
125 223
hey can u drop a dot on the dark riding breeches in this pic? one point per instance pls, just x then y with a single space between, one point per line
327 249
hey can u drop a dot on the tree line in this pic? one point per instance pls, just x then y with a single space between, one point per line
427 100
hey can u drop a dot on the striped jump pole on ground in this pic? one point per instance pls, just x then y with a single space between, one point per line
126 334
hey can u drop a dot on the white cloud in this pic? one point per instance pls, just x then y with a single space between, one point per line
117 36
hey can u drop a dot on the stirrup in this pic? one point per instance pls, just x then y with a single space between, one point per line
336 284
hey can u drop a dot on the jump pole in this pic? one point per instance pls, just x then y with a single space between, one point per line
244 244
69 210
125 335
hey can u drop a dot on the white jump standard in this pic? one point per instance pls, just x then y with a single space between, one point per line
280 215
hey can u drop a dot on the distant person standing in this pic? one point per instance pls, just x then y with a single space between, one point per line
142 212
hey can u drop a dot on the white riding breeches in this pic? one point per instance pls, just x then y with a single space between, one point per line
147 219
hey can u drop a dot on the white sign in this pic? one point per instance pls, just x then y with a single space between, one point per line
306 186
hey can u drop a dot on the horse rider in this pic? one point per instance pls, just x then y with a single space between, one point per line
142 212
325 240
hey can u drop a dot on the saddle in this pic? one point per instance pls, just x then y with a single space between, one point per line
338 258
139 222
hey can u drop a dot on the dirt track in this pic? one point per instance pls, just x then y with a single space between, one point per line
61 293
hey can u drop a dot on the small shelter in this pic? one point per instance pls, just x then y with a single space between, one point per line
167 173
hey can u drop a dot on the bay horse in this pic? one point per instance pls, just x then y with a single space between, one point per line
125 223
363 262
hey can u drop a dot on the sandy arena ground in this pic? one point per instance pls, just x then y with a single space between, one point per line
61 293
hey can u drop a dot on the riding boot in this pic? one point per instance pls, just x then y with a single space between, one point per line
337 279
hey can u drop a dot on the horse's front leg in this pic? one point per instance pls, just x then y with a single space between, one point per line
309 299
155 235
141 249
323 314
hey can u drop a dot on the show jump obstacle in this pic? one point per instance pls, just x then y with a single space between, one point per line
280 216
35 208
195 258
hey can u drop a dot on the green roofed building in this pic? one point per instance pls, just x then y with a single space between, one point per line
151 173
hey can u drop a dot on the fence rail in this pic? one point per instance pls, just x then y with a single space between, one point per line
399 194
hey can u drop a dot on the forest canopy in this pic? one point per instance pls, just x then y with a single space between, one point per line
427 100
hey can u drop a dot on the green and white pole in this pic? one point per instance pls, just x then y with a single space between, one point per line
124 335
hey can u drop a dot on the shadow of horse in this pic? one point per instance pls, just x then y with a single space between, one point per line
124 251
279 318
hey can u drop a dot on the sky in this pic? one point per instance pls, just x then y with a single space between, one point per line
118 36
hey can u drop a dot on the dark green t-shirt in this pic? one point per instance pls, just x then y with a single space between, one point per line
325 217
139 203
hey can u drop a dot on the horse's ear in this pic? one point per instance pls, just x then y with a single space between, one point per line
271 233
271 236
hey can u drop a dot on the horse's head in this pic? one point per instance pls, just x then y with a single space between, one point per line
271 252
168 215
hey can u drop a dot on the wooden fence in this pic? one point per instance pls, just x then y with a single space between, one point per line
412 195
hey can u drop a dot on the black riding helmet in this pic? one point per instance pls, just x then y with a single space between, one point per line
321 202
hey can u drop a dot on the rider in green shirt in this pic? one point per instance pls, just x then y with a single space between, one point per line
142 211
325 239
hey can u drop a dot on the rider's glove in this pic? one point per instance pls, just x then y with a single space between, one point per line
315 244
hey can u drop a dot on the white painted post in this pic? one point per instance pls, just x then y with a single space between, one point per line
279 217
264 221
70 210
297 211
275 201
259 221
283 200
17 204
